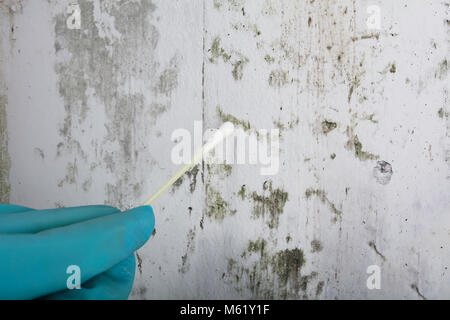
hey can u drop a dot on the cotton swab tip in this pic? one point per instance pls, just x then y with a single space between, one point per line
227 128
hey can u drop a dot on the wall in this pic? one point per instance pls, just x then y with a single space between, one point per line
86 117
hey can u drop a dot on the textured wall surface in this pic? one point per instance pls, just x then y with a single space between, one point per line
86 117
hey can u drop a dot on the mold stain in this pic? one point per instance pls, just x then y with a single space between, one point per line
5 160
236 59
278 78
97 63
191 175
216 207
322 196
355 144
269 59
225 117
220 170
269 204
270 275
442 114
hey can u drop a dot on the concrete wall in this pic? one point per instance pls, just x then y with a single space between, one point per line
86 117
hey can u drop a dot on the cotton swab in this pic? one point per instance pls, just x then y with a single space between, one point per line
224 131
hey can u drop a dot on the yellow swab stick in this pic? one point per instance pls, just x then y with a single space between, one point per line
224 131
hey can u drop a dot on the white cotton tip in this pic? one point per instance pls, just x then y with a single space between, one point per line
227 128
224 131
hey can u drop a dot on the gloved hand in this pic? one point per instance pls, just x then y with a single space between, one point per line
37 247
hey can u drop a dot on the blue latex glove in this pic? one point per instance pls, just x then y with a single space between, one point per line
37 246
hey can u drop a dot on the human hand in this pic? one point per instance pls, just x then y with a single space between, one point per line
37 247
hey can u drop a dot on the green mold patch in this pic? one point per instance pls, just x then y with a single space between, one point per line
5 160
442 114
216 52
192 175
278 78
370 118
242 192
355 144
221 170
235 59
360 154
216 207
269 59
225 117
322 196
268 204
393 68
328 126
271 275
289 125
249 27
